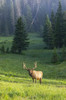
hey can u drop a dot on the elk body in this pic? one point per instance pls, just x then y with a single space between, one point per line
37 75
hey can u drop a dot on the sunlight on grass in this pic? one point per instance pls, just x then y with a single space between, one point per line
33 91
16 84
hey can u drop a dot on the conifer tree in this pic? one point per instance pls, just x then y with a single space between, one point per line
55 58
64 28
53 20
59 27
53 26
3 49
7 50
28 18
63 53
47 34
20 39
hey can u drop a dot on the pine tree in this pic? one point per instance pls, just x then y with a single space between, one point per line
20 39
2 49
7 50
53 26
47 34
29 18
63 53
64 28
55 58
59 27
53 20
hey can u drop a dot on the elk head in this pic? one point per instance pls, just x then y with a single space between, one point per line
37 75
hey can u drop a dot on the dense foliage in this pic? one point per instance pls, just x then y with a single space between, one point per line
56 26
31 11
48 36
59 34
20 39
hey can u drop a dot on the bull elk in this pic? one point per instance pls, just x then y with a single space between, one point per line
37 75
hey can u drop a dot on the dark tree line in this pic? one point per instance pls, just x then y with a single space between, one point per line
54 34
10 10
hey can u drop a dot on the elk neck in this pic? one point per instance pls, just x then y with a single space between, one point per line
30 72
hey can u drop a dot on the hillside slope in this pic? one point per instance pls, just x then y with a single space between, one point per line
15 82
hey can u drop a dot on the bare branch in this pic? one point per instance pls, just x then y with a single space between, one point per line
35 65
24 66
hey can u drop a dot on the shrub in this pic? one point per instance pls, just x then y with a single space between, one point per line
7 50
63 53
55 57
2 49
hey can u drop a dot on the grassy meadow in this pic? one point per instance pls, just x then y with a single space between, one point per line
16 84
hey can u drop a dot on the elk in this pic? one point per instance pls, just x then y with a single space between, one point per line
37 75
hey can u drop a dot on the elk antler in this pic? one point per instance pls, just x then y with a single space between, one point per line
35 65
24 66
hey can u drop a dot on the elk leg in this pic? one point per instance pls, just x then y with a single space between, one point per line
40 80
35 80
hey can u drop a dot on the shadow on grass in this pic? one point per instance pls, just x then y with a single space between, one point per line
24 80
53 82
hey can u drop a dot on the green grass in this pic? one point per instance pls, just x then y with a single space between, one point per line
26 90
16 84
6 41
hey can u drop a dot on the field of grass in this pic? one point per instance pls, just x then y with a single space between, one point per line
16 84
